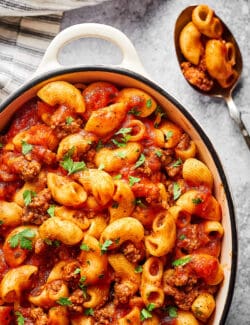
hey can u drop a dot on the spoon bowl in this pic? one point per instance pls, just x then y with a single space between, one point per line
216 91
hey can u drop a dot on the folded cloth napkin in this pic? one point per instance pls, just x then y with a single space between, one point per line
26 29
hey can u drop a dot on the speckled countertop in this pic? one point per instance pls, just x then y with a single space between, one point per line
149 24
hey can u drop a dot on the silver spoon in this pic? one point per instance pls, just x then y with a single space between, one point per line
216 91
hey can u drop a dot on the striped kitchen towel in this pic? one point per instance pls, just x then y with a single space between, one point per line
26 29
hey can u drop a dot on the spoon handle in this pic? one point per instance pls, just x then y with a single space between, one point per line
236 116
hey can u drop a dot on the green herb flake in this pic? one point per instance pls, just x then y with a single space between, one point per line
101 167
121 155
181 261
133 180
119 144
51 210
158 153
168 135
69 120
19 318
197 200
27 196
1 222
149 103
138 269
23 238
118 176
182 237
146 312
99 145
70 166
1 145
77 271
140 161
26 147
138 202
135 111
123 131
177 191
159 111
177 163
64 301
84 247
50 242
172 311
104 247
89 312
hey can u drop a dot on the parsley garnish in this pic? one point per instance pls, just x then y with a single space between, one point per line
27 196
134 111
89 312
82 286
124 139
23 239
149 103
85 247
140 161
159 111
50 242
138 269
177 191
118 176
77 271
197 200
158 153
1 222
138 202
101 167
104 247
51 210
123 131
177 163
181 261
69 120
172 311
146 312
64 301
182 237
99 145
168 135
26 147
121 155
70 165
1 145
133 180
20 319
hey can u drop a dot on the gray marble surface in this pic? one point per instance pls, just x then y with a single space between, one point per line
149 24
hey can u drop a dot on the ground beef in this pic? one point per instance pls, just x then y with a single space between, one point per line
184 142
41 154
63 129
197 76
40 246
36 211
69 274
147 190
104 316
39 316
77 299
133 252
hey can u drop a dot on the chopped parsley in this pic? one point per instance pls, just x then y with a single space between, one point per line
50 242
84 247
69 120
23 238
118 176
121 155
158 153
101 167
197 200
51 210
181 261
125 137
99 145
1 145
177 191
26 147
71 166
172 311
64 301
182 237
19 317
133 180
177 163
149 103
123 131
77 271
82 286
140 161
89 312
27 196
104 247
146 312
159 111
134 111
1 222
138 269
138 202
168 135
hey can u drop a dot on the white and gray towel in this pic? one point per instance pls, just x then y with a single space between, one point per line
26 29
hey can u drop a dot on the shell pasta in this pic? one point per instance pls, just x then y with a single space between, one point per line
107 215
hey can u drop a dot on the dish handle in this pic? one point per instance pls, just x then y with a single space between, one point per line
130 60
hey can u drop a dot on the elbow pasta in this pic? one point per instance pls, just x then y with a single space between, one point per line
119 215
208 50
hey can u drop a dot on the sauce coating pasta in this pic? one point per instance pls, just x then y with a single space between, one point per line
107 216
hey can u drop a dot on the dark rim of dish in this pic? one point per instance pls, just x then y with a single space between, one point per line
198 128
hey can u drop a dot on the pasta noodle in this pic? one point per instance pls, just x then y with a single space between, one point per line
107 215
